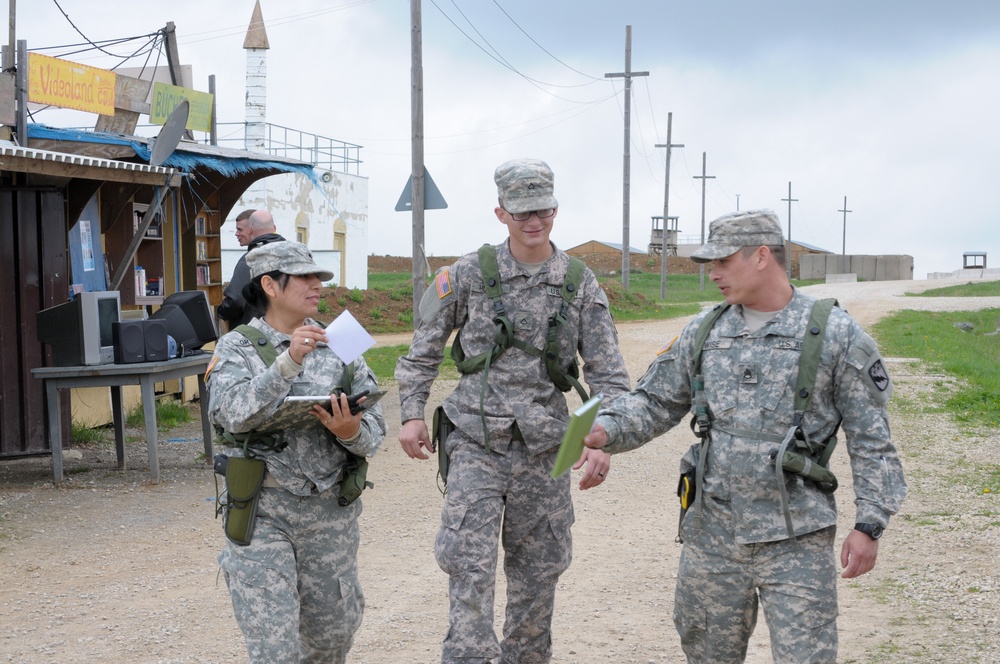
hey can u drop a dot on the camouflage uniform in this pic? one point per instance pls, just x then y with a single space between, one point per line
295 587
741 547
503 488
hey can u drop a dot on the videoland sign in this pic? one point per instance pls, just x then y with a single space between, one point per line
67 84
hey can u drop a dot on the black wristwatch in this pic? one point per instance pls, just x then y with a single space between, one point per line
873 530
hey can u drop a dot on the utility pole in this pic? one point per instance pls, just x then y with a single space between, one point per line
702 177
417 150
843 250
627 75
666 207
788 250
737 202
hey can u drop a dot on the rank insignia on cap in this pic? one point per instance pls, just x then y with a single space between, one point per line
669 345
443 284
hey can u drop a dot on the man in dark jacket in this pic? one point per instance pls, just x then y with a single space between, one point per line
253 229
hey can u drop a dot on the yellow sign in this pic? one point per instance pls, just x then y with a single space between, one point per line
165 100
70 85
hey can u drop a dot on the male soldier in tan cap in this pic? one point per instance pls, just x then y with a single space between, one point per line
509 416
755 529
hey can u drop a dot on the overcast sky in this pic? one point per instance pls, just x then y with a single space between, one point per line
891 103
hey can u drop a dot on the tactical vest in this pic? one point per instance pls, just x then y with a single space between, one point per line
503 338
795 452
355 480
268 354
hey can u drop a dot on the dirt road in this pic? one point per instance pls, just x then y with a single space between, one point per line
110 568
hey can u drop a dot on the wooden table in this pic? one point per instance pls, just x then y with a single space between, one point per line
144 374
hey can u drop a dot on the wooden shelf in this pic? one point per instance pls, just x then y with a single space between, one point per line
148 255
208 254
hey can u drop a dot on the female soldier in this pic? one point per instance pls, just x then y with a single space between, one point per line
294 586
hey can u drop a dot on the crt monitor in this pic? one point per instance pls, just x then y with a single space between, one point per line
189 319
80 331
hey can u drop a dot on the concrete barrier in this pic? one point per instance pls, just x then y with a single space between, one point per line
845 278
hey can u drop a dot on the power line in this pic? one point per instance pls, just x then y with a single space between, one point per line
540 46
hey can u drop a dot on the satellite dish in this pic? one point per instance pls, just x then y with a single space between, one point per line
168 138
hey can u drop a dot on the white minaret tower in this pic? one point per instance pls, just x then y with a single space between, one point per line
256 96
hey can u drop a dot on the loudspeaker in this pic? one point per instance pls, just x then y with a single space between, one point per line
128 337
155 333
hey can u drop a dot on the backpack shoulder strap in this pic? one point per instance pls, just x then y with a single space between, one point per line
812 346
704 328
572 280
268 353
491 274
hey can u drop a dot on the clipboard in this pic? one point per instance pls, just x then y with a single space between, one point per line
581 421
293 413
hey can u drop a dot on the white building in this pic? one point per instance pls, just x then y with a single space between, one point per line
329 212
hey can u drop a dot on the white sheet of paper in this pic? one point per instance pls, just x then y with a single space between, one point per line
347 338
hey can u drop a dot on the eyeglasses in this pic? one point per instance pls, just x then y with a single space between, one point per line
524 216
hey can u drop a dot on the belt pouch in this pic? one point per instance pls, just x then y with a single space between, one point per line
442 428
244 479
355 479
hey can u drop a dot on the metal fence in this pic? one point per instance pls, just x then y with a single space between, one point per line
320 151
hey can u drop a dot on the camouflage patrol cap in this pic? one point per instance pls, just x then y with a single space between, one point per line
284 256
524 185
730 233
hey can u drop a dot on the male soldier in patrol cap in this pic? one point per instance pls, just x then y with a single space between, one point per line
752 533
254 228
509 419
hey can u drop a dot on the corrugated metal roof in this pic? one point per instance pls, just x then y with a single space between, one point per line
9 149
614 245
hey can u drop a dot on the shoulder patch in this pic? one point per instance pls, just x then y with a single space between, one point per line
211 365
668 346
443 283
243 341
879 376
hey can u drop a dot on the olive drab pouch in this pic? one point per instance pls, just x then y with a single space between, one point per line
355 479
442 428
803 466
244 480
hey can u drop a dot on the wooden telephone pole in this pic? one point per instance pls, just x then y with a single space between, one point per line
627 75
666 207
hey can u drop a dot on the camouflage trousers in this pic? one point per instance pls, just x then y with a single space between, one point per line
295 587
508 497
719 583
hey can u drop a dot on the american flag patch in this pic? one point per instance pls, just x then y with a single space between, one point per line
211 365
667 347
443 283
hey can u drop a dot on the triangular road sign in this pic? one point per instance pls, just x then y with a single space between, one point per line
433 200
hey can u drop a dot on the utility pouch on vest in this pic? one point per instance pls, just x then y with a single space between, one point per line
355 481
803 466
686 490
442 429
244 479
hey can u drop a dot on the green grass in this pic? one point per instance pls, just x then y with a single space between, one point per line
969 289
84 435
382 360
169 414
971 357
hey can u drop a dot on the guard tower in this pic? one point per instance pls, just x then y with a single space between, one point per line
656 236
974 260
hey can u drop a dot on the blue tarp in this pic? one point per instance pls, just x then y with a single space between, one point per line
181 159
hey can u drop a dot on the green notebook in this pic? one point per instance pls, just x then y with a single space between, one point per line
580 424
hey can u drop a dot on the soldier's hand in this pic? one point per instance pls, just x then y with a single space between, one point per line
338 420
597 438
304 340
598 465
414 438
858 554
